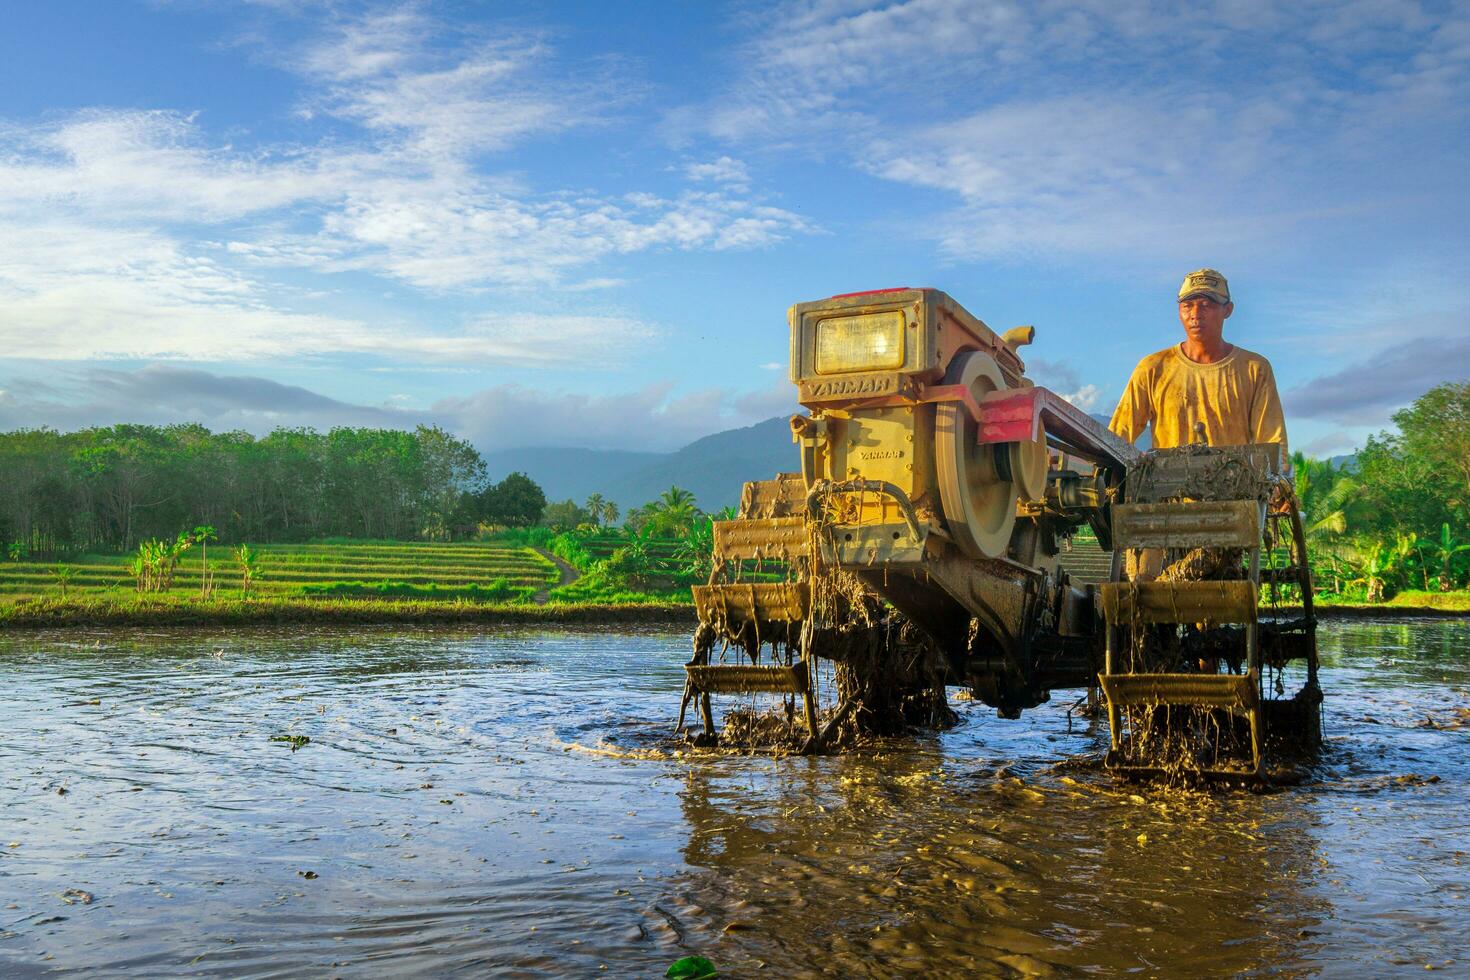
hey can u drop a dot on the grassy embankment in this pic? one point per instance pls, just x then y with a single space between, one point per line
333 581
364 581
1406 602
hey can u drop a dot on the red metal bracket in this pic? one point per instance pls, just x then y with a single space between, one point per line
1020 414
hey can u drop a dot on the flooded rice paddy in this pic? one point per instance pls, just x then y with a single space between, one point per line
509 804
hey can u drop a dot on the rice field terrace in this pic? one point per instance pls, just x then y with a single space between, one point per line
368 569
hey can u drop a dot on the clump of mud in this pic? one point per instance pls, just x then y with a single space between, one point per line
1183 742
775 729
893 677
1205 564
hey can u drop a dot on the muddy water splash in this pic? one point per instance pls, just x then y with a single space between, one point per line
512 805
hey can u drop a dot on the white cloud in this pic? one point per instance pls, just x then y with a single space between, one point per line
726 170
78 293
1086 398
153 166
134 234
1064 379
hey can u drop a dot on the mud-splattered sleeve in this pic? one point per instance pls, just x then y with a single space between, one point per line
1135 408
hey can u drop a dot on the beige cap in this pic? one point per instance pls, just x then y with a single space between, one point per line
1205 282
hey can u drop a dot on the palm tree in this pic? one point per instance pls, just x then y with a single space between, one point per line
595 508
610 512
1327 495
1330 501
675 511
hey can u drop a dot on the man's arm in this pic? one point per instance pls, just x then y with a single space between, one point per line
1268 423
1135 408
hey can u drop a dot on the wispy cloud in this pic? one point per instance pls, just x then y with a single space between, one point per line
408 78
1082 128
1365 393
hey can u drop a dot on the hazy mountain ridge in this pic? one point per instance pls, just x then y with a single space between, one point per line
713 468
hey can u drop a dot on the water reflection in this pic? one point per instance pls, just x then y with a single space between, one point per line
510 804
902 863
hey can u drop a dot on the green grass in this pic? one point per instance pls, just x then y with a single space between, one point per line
597 589
497 591
1407 600
136 610
377 569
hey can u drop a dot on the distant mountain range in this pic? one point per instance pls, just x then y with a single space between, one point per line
713 468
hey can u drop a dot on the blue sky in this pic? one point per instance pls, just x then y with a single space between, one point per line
581 224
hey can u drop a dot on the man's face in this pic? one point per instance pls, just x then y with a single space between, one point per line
1203 319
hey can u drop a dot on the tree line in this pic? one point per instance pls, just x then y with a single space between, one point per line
1397 515
114 487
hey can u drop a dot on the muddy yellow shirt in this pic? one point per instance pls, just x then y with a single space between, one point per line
1234 397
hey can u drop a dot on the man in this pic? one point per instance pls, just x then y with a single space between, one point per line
1201 386
1202 382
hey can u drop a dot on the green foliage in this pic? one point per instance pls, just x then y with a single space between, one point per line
696 549
633 562
154 565
129 609
516 501
565 515
291 566
539 536
295 741
248 561
1448 547
110 488
1398 519
691 968
499 590
570 549
602 587
64 574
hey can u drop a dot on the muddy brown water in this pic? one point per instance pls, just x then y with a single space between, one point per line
509 805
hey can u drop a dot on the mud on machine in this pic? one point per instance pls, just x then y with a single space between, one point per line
921 545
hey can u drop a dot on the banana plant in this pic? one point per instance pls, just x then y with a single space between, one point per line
248 560
1373 566
1448 546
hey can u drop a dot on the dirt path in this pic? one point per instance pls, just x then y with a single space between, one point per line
569 574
